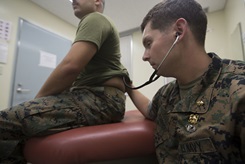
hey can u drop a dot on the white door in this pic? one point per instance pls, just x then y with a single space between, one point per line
38 53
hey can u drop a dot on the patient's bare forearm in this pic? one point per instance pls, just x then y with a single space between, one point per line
140 101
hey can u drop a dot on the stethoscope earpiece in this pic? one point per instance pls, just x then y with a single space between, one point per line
177 34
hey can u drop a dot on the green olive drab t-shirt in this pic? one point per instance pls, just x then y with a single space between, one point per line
105 64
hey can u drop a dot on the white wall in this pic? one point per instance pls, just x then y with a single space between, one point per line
234 14
11 11
221 27
216 38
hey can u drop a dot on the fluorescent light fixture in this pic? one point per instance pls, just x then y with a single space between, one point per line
70 0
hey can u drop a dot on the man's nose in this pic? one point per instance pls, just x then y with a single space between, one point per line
145 56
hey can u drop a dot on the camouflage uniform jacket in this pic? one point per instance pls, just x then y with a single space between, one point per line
205 126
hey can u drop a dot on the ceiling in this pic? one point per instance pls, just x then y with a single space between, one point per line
126 14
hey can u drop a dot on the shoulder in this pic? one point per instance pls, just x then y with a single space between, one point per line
95 18
95 15
233 67
228 66
96 28
98 23
232 80
233 72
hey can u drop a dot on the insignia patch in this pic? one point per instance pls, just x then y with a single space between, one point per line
190 128
193 118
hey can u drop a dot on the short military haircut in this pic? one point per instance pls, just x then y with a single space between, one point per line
167 12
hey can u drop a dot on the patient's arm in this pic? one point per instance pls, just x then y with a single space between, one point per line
140 101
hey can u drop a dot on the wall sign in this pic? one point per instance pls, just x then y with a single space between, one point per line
5 29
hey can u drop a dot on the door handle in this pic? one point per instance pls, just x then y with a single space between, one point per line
21 90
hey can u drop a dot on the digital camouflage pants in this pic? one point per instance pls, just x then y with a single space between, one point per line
82 107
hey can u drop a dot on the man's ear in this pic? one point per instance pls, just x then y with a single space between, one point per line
97 2
180 26
99 5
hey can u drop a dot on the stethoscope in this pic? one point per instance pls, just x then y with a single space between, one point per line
154 75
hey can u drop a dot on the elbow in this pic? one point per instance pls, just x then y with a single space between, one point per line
70 69
73 70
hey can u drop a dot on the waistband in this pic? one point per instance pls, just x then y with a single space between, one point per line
98 88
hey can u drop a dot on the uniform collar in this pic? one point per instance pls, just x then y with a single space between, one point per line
198 98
